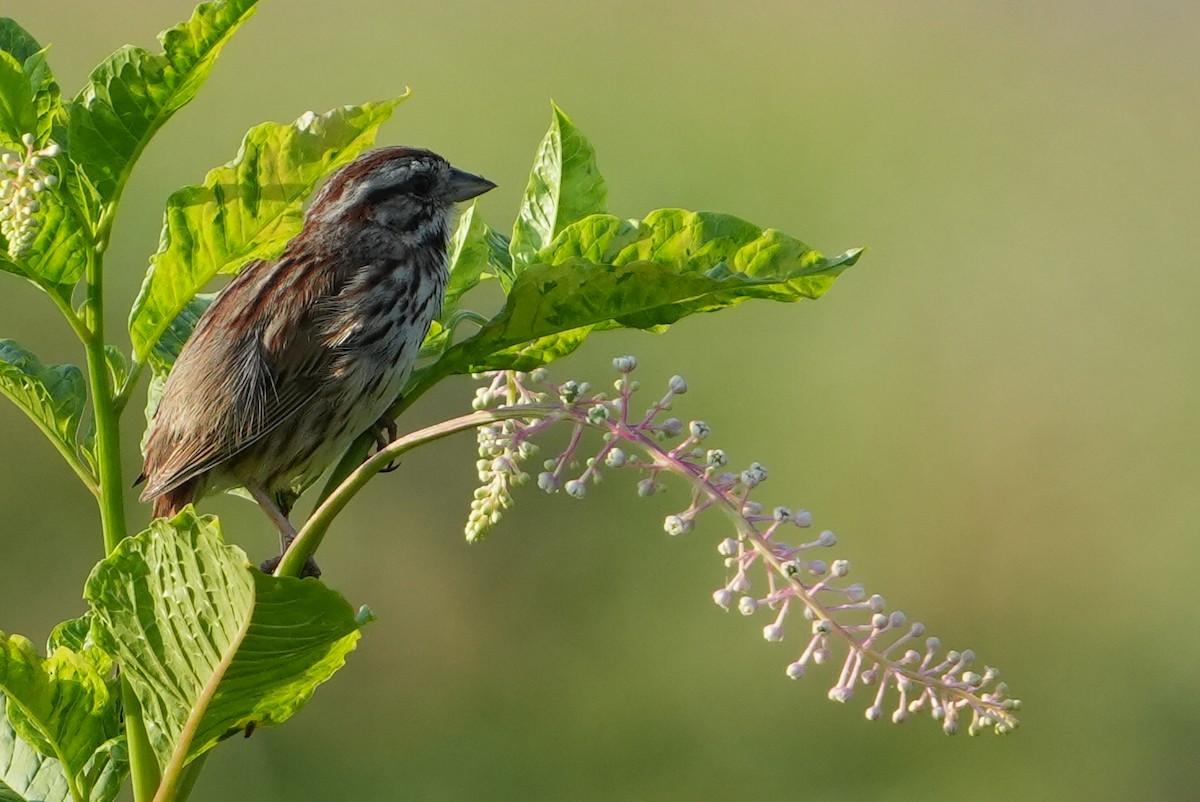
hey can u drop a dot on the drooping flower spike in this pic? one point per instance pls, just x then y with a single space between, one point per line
883 652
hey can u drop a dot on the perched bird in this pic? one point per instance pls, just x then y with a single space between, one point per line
298 356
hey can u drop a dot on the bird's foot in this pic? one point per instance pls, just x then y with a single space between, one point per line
385 431
310 567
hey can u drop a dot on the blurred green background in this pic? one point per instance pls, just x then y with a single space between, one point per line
996 409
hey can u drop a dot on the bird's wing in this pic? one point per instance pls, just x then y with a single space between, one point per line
240 375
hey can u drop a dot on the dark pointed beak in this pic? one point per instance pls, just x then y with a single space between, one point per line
464 186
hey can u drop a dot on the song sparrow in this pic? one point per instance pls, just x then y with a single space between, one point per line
297 357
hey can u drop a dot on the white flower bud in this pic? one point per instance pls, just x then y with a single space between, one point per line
795 670
677 525
747 605
840 694
699 429
897 619
856 592
723 597
716 458
727 547
802 518
615 458
754 475
625 364
27 140
575 488
840 568
781 514
827 539
773 633
677 385
646 487
876 603
671 427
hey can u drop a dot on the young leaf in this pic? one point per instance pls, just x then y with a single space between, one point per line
17 42
209 645
18 114
53 396
605 273
132 93
564 186
248 209
62 708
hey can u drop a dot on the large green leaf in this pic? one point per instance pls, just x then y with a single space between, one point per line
604 273
53 396
25 773
565 185
209 645
60 728
132 93
17 42
246 210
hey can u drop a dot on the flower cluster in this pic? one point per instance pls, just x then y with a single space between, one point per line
22 177
882 650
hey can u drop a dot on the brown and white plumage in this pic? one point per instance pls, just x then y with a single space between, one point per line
298 356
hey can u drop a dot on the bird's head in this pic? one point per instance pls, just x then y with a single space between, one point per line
407 191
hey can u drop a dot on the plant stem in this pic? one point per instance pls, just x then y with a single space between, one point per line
143 766
309 538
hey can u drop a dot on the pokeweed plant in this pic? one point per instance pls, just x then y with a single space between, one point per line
185 643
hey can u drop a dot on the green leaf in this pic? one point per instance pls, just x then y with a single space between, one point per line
63 709
53 396
132 93
246 210
18 114
605 273
208 644
469 259
27 775
565 185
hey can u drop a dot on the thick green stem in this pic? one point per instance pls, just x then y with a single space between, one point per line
309 538
143 766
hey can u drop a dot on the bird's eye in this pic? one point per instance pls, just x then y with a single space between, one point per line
420 184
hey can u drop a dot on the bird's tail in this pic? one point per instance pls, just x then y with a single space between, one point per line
168 504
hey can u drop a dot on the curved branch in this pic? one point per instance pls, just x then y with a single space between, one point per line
309 538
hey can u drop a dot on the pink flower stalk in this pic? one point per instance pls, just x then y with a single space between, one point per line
882 649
